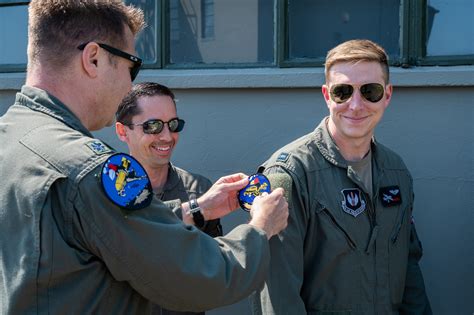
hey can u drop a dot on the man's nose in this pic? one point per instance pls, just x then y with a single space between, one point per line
356 100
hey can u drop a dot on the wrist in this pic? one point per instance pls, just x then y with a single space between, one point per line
195 211
203 204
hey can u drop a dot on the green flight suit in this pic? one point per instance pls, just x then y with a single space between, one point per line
65 248
343 252
183 185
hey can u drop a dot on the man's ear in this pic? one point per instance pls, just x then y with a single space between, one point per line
89 59
121 132
388 94
325 91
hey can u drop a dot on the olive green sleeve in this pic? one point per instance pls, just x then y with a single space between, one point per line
281 293
167 262
415 300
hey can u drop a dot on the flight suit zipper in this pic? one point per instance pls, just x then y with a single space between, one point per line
372 239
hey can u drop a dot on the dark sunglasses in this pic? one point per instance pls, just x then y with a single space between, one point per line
155 126
137 62
373 92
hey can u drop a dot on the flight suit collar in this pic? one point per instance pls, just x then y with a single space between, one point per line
41 101
172 179
328 148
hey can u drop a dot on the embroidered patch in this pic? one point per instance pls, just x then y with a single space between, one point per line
98 147
125 182
390 196
258 184
283 157
353 202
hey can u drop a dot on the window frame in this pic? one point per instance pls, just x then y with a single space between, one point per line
412 42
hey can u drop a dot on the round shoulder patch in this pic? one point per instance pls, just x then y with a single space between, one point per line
258 184
125 182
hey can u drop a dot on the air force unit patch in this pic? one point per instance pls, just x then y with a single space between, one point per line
125 182
353 202
258 184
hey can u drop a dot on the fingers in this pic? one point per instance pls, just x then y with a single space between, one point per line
233 182
270 212
232 178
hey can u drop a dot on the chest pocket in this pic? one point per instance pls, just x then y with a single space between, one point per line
331 228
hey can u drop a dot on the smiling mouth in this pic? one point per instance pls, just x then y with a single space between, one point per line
355 119
161 148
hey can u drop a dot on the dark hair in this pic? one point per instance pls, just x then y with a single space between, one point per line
57 27
357 50
128 108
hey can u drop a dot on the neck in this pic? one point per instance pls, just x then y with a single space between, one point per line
354 149
158 176
69 92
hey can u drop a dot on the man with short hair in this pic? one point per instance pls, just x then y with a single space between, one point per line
148 122
79 231
350 246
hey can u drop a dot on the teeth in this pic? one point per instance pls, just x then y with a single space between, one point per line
162 148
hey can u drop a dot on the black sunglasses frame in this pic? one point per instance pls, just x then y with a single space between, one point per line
137 62
362 89
157 130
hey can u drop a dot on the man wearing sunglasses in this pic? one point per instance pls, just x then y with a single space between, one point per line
79 230
350 246
148 122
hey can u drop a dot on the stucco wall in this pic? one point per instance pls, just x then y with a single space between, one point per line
229 130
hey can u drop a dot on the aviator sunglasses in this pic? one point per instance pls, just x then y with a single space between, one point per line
137 62
155 126
372 92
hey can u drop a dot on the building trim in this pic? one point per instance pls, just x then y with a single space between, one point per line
277 77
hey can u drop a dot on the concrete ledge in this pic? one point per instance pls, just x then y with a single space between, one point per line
278 77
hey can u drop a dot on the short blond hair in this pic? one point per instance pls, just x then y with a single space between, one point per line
357 50
57 27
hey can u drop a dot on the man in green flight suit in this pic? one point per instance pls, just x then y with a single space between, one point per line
350 246
148 122
67 246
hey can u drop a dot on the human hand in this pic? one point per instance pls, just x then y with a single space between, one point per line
221 198
270 212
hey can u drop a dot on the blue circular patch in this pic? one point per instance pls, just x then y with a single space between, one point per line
258 184
125 182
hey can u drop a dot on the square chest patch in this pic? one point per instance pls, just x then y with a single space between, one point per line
390 196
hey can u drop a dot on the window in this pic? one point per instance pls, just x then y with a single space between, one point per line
149 40
13 34
277 33
206 33
207 13
314 27
449 32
